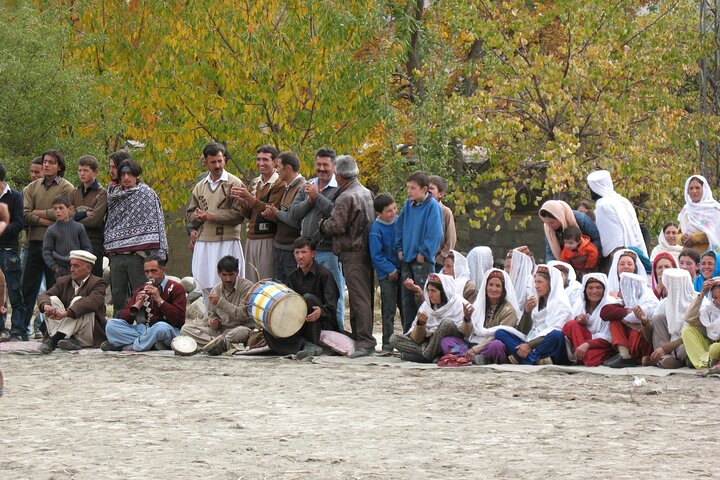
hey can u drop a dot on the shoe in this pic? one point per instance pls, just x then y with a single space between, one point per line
513 360
413 357
106 346
4 336
309 352
387 348
216 346
160 346
46 347
17 338
480 360
69 343
362 352
619 362
37 334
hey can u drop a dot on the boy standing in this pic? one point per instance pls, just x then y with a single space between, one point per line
437 188
418 233
386 263
62 237
89 202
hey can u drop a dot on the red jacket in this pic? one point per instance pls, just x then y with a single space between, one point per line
586 258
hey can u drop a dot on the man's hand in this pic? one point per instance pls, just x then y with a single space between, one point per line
45 222
243 194
393 276
193 239
3 309
142 296
214 323
270 212
202 215
153 292
214 299
400 255
49 310
524 350
315 315
420 258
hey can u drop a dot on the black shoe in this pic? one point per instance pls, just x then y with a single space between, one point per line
413 357
17 338
70 344
619 362
106 346
362 352
46 347
315 351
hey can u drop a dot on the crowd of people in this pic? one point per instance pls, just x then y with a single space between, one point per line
599 298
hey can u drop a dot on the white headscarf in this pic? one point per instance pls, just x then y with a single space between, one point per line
710 318
598 327
480 260
521 274
664 246
614 279
614 215
680 294
574 290
557 309
480 333
462 271
701 216
452 310
636 293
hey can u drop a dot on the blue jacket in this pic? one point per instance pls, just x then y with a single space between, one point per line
14 201
587 227
419 230
384 259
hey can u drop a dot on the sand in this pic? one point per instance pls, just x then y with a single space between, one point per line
65 416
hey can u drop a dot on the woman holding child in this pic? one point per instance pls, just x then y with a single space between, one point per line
557 216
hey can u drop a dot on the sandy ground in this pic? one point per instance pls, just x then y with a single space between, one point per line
103 416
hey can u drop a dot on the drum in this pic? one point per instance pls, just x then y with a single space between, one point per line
184 346
276 308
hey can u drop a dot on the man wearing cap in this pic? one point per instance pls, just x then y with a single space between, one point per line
74 307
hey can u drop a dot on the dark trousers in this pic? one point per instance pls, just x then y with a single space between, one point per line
35 268
98 250
126 275
358 272
552 346
309 332
390 302
284 265
10 266
418 272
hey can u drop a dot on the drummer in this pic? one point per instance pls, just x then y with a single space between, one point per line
317 286
228 321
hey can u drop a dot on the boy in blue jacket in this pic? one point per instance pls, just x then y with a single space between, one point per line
418 233
386 263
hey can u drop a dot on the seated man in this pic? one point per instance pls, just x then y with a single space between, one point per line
228 319
317 286
74 307
152 317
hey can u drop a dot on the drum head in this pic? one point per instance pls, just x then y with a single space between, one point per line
184 346
287 316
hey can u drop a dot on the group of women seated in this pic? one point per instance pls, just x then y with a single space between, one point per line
660 311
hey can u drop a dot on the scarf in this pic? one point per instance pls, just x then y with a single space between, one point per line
701 216
653 277
563 214
557 309
453 309
462 271
480 333
573 289
664 246
521 275
636 293
596 325
480 260
680 294
614 278
135 222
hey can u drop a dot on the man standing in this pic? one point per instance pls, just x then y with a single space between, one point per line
152 317
265 189
288 168
349 226
218 222
74 307
313 203
11 200
89 203
38 215
228 318
135 229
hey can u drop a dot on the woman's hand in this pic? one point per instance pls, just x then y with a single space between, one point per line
531 303
581 351
687 240
582 319
524 350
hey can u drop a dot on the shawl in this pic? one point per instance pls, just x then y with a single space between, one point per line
710 318
557 309
135 222
664 246
453 309
699 280
613 212
480 260
653 277
680 294
701 216
563 214
614 279
596 325
521 275
636 293
480 333
462 271
573 288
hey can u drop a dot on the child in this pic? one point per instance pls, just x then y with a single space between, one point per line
418 233
578 251
437 188
89 201
386 263
63 236
689 260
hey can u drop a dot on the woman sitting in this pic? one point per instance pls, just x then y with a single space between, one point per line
557 216
624 260
662 262
444 313
668 241
522 265
456 265
709 268
669 320
480 260
496 309
588 334
701 336
546 312
699 217
573 289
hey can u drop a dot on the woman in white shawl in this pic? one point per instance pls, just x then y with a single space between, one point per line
701 335
668 241
624 260
521 274
572 286
547 311
588 334
456 265
496 308
480 260
699 217
444 313
669 320
614 215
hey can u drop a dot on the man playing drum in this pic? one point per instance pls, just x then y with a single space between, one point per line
317 286
228 319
